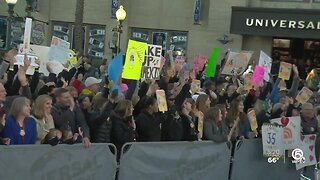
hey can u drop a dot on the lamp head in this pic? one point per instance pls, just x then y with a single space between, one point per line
11 2
121 14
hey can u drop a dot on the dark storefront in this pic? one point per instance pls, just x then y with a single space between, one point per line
295 32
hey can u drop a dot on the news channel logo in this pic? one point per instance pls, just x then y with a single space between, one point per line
297 155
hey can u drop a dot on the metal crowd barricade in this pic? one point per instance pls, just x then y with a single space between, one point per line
250 164
174 160
45 162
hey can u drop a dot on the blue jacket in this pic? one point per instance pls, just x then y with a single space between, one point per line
12 130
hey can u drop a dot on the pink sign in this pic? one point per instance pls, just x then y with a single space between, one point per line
179 62
258 75
198 62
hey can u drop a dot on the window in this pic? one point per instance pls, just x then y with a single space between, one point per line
96 41
93 37
169 40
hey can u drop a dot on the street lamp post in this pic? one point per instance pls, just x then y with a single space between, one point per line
11 4
121 15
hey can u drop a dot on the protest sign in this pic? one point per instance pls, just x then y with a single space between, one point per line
27 37
257 76
114 71
236 63
152 62
179 62
41 52
291 131
55 66
161 99
306 151
196 85
198 62
59 50
272 140
211 67
247 81
285 70
266 62
304 95
252 119
134 60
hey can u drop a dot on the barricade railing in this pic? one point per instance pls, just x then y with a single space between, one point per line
174 160
152 160
45 162
249 163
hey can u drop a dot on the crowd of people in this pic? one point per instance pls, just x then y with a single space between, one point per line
79 106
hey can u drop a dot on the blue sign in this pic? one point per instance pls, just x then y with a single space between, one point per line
114 8
114 71
197 12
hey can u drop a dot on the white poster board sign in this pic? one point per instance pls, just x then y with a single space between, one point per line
272 140
291 131
266 62
236 63
59 50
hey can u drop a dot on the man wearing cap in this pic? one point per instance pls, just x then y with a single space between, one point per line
92 86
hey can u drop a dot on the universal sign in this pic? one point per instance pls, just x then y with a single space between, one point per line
282 24
295 23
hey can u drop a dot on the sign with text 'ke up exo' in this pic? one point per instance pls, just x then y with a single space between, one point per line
152 62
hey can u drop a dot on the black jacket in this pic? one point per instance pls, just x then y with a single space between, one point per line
121 132
189 129
101 125
148 127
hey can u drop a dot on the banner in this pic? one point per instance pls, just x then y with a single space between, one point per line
304 95
162 101
114 71
197 12
285 70
211 67
198 62
291 131
59 50
152 62
266 62
272 140
114 8
257 76
134 60
236 63
306 151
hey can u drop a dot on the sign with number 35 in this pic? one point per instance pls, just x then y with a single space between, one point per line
272 140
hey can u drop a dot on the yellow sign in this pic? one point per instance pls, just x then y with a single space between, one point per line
162 102
253 120
134 60
285 70
304 95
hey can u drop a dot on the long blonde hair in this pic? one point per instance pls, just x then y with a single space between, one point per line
38 111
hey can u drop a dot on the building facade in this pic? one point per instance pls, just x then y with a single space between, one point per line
164 22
